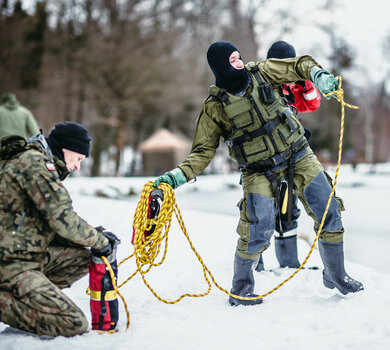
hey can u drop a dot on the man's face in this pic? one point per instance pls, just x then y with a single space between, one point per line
235 60
73 159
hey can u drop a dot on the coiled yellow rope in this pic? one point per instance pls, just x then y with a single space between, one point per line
147 249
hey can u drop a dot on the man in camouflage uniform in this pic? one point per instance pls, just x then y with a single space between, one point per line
42 239
246 109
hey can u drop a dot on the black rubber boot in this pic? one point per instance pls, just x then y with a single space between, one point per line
243 282
334 274
260 264
286 251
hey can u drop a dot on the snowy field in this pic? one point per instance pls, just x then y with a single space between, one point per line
303 314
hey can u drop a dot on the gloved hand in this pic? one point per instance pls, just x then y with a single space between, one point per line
109 248
111 237
173 178
324 81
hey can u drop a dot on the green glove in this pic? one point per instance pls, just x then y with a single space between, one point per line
173 178
324 81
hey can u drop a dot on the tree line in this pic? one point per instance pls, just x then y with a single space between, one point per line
125 68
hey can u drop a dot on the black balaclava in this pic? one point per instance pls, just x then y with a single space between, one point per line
71 136
281 49
226 76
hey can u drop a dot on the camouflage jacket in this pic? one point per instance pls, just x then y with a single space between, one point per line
35 208
213 122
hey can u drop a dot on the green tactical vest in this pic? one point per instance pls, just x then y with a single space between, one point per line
264 131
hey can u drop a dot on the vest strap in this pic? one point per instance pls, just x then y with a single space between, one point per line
266 129
263 165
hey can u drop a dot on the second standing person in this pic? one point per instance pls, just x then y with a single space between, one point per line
305 98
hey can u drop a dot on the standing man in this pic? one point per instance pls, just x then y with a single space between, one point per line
264 136
42 239
305 98
16 119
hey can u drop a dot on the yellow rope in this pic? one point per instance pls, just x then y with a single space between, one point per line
116 289
147 249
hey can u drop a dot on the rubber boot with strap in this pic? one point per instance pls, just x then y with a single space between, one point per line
243 282
286 251
260 264
334 274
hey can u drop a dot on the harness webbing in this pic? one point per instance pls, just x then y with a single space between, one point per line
146 249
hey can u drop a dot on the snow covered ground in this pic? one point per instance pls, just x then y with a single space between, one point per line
303 314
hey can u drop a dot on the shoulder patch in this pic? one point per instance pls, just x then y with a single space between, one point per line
50 166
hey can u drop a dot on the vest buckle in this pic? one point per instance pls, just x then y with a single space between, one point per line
277 159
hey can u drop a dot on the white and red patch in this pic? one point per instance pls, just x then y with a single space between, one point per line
50 166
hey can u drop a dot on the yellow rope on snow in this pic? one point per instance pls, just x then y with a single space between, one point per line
147 249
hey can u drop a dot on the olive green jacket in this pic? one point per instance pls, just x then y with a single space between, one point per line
30 184
17 120
213 123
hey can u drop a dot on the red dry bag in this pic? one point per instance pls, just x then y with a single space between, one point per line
104 302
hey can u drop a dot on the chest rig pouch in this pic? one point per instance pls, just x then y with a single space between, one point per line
264 131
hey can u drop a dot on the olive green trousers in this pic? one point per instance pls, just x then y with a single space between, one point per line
258 206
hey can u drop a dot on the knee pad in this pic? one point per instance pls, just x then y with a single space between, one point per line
261 211
316 194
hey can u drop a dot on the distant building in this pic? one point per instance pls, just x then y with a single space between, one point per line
163 151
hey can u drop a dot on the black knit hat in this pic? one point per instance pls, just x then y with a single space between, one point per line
71 136
226 76
281 49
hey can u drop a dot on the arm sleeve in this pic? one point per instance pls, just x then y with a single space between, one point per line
288 70
54 204
32 125
206 141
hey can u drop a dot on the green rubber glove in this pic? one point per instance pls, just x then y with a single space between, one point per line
324 81
173 178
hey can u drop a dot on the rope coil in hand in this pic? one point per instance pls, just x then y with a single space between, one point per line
147 249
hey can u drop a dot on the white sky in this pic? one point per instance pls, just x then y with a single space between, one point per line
364 25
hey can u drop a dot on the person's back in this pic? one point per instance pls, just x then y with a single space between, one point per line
16 119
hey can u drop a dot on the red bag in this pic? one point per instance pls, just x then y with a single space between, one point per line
104 302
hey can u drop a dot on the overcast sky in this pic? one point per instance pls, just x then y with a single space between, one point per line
363 24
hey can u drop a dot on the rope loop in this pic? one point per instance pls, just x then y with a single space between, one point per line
148 248
339 94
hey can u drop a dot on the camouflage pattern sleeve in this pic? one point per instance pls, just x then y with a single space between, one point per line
288 70
52 200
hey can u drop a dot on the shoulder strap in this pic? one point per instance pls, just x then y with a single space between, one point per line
255 71
222 97
265 89
40 141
